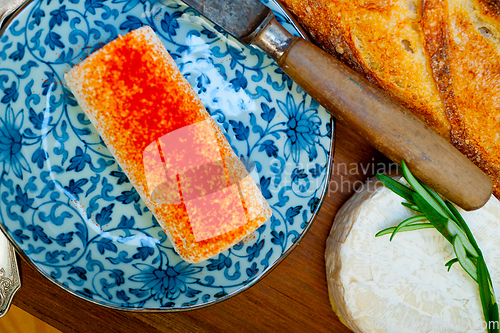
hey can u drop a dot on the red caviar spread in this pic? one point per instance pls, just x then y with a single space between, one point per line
137 99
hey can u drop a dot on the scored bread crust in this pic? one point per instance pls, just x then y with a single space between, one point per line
381 39
324 28
106 97
462 39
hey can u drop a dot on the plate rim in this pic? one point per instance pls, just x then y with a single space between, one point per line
29 261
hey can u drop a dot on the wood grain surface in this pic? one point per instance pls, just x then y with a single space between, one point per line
19 321
293 296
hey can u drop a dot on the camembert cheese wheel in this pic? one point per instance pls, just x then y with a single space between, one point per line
377 285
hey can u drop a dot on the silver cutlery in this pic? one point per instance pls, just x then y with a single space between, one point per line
7 7
10 281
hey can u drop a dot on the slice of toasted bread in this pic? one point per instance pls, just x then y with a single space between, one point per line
382 40
463 40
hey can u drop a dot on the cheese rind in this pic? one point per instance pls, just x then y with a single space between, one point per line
377 285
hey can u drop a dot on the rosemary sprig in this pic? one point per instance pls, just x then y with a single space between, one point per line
445 218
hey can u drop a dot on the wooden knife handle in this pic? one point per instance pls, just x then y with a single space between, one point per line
387 125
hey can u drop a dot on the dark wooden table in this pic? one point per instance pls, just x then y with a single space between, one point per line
293 296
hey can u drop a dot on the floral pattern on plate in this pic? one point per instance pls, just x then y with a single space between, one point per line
67 205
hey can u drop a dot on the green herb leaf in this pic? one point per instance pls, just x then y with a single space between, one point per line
487 295
421 190
464 261
464 226
454 229
396 187
439 200
445 226
450 263
412 207
408 221
438 220
411 227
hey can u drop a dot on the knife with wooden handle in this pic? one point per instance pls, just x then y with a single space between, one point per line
353 100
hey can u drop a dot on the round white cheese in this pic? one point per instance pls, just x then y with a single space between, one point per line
377 285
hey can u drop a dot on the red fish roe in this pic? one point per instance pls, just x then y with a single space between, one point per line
134 94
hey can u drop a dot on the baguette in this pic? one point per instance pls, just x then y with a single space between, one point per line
167 144
463 41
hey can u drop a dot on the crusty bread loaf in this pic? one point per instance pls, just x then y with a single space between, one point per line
382 40
438 58
463 41
167 144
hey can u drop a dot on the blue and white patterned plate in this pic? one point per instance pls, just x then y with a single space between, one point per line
67 205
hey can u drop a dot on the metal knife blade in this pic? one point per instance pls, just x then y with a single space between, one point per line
239 18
